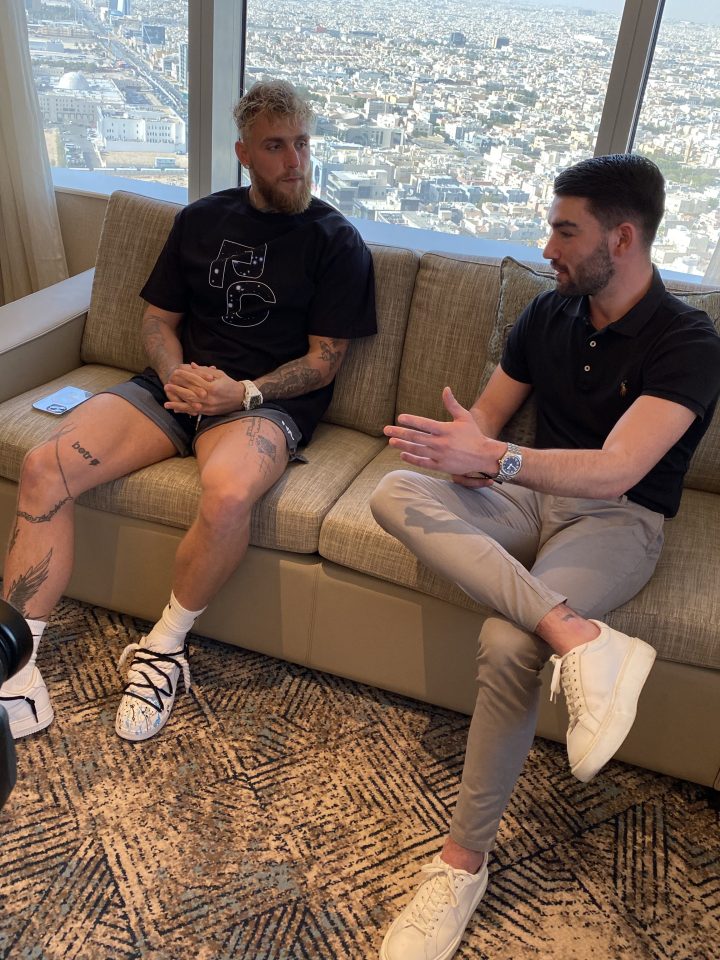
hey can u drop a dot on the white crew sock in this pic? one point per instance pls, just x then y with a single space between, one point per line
21 680
168 634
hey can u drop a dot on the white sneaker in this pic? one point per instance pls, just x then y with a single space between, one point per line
601 681
432 925
27 704
149 695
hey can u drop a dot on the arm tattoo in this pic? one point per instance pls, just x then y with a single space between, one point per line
331 355
291 380
154 340
24 588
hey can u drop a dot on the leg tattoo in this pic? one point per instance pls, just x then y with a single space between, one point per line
13 537
46 517
24 588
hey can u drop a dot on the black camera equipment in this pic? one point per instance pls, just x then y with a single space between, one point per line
15 650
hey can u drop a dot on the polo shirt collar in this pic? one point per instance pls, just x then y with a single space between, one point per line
635 319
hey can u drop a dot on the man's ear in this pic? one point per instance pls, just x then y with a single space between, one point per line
626 236
241 152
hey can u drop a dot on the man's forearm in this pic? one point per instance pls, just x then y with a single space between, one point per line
290 380
307 373
162 346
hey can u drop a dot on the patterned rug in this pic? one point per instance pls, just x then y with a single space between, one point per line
283 815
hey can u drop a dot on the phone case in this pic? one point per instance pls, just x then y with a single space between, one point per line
62 400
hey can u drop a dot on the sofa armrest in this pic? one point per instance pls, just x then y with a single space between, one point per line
40 334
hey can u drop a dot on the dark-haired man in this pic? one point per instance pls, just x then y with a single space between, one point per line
251 306
626 379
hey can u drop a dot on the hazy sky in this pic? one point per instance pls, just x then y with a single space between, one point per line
698 11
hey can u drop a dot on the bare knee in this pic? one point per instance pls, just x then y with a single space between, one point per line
225 506
41 475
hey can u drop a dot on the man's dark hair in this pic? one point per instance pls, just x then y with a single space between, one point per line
620 187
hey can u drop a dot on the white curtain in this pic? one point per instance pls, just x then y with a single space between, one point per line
31 250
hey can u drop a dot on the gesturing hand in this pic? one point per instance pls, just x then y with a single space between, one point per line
457 447
202 390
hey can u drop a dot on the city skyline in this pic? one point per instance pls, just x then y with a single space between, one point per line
454 119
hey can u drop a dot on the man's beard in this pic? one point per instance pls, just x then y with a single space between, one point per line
276 199
591 275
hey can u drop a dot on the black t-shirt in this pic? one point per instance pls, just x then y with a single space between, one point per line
252 286
585 379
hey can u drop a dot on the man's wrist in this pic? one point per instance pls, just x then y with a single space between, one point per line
510 463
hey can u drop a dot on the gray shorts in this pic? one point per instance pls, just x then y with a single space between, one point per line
183 429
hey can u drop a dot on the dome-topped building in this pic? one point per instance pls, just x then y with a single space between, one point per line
73 80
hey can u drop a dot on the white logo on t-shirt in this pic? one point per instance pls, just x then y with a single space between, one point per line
249 264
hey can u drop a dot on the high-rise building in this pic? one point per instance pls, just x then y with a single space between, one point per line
183 63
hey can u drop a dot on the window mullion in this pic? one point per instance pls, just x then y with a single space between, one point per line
214 52
630 67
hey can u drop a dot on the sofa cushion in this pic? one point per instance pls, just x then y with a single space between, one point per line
351 537
451 317
678 612
366 386
288 517
134 232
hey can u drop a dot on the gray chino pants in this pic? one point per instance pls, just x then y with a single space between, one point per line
520 553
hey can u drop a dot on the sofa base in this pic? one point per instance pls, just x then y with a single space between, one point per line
297 607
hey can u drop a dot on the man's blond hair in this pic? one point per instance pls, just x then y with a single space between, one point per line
274 98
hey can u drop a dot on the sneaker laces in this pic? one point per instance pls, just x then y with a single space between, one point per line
150 668
28 700
436 892
565 678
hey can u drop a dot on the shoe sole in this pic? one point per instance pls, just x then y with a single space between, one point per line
451 948
617 725
23 728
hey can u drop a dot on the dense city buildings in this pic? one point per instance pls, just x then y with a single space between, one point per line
453 116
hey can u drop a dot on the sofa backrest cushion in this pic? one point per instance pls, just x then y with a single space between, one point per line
452 314
366 386
133 234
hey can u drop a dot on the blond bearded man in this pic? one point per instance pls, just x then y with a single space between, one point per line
251 306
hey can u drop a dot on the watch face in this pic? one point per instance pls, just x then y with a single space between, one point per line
511 464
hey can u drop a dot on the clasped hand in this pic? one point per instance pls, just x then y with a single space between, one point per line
197 390
457 447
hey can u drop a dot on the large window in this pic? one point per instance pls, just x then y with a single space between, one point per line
112 79
452 116
679 127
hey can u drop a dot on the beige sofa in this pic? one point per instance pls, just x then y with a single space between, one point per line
322 585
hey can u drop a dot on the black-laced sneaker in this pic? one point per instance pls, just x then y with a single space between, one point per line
149 695
28 705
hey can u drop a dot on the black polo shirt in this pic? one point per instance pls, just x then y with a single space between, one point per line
585 379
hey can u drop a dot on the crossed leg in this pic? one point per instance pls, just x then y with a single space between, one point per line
524 555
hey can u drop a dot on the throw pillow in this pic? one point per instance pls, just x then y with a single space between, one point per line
519 284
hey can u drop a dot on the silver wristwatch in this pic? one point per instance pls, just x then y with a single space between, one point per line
253 398
510 463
